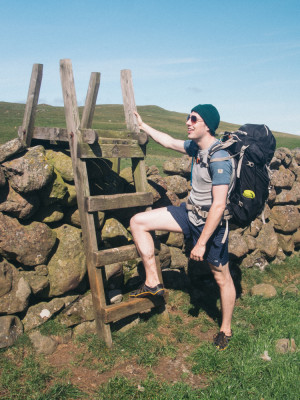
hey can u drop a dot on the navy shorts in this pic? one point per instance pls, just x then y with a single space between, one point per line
216 252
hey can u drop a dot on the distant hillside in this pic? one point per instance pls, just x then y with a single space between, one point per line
111 116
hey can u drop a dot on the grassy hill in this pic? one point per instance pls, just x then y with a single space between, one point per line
112 117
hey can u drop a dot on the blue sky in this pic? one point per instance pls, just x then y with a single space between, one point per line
243 56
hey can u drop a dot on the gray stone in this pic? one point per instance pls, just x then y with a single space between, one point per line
251 242
284 155
282 178
178 259
30 172
11 148
175 240
180 166
10 329
157 186
55 191
255 259
286 242
50 214
34 241
114 233
267 241
296 154
164 256
285 218
18 205
38 314
62 162
126 173
237 245
264 290
254 227
70 198
14 299
2 177
177 184
67 267
43 344
36 282
80 311
85 328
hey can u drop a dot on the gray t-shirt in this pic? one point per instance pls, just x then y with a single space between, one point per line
203 178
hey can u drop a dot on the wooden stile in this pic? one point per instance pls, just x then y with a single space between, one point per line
31 104
86 143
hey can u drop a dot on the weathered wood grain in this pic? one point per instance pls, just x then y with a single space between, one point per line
31 103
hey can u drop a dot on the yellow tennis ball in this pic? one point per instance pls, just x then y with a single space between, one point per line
249 194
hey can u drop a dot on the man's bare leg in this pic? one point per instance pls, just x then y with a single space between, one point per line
141 225
227 294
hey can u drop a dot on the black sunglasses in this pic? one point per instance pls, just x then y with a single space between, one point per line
193 118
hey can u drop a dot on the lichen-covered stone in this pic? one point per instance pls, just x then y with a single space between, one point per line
11 148
286 242
18 205
2 177
70 198
267 241
36 282
28 244
30 172
10 329
54 191
62 163
67 267
175 239
114 233
39 313
286 218
237 245
80 311
16 292
180 166
282 178
50 214
177 184
43 344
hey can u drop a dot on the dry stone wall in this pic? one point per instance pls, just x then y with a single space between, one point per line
42 262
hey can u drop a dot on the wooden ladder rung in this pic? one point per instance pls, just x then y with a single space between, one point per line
116 312
114 255
110 148
117 201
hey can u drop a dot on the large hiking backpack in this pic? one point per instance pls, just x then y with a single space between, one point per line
252 148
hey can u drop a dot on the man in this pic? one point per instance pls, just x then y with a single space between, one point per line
200 219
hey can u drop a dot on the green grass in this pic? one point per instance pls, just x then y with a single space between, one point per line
236 373
111 116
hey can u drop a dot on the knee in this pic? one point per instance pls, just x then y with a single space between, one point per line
136 222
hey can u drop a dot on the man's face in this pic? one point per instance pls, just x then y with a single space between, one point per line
197 129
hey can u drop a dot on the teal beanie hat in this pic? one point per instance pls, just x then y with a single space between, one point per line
210 116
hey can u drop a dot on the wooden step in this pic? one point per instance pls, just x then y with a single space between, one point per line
116 312
114 255
117 201
111 148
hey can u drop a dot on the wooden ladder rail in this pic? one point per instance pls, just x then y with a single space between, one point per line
87 205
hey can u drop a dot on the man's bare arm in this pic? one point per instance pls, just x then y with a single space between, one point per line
160 137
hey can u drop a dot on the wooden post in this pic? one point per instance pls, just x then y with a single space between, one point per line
90 101
31 104
130 107
82 188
